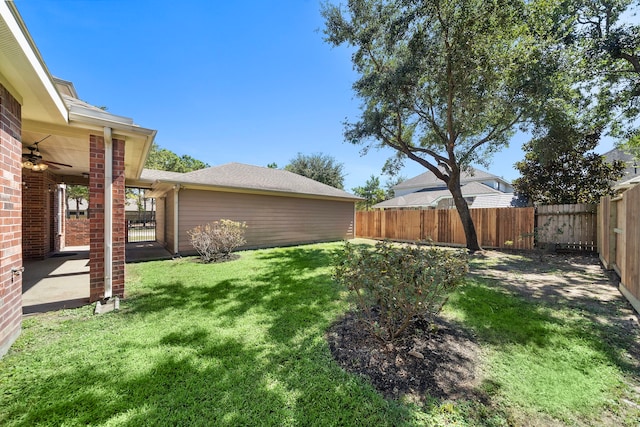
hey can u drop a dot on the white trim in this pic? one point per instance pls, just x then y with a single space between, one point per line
108 213
176 237
11 16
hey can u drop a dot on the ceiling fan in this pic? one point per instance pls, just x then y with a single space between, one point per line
33 159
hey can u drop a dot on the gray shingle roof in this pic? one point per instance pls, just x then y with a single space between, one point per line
428 179
428 198
155 175
249 177
503 200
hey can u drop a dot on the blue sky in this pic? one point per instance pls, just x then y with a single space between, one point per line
222 81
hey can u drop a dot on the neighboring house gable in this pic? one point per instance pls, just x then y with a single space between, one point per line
428 180
480 189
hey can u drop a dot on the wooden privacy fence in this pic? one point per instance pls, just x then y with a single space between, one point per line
619 240
496 227
567 226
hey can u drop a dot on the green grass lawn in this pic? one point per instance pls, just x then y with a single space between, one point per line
242 343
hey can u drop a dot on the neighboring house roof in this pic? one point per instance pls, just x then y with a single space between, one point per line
432 197
633 164
503 200
244 178
428 179
631 182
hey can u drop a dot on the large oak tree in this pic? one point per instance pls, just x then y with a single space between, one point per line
443 82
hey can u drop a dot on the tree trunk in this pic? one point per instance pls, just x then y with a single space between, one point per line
463 211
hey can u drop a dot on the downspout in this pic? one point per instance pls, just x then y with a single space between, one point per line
61 215
176 237
108 212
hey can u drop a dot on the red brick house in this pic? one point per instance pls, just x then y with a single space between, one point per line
80 144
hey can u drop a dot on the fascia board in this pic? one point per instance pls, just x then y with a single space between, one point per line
16 25
77 112
206 187
79 119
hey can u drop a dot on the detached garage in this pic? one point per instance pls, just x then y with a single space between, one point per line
280 208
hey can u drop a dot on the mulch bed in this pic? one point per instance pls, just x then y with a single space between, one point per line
438 359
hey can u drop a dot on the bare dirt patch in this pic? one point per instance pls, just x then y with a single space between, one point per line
442 360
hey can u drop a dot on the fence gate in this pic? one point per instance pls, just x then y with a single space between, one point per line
140 213
567 226
141 230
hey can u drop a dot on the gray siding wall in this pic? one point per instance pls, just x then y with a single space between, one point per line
168 224
271 220
160 221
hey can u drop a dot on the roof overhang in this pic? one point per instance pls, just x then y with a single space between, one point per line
51 110
24 73
160 188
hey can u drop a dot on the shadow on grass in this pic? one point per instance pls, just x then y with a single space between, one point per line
575 281
288 289
178 295
502 318
194 368
193 379
176 389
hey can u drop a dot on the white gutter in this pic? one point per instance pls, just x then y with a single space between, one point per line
108 212
176 237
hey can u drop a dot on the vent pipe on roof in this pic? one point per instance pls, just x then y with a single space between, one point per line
108 212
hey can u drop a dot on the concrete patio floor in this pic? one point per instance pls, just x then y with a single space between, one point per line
62 281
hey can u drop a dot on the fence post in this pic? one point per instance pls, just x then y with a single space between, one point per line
613 223
383 225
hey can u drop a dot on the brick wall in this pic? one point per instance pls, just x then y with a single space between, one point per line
76 232
10 219
119 218
96 218
39 194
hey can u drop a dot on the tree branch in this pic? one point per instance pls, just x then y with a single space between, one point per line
489 137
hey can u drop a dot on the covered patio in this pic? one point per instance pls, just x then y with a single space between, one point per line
50 138
62 280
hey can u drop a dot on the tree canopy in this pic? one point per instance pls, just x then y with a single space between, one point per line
78 193
569 172
443 83
603 46
371 192
320 167
166 160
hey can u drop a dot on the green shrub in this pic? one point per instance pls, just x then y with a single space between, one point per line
395 285
216 240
